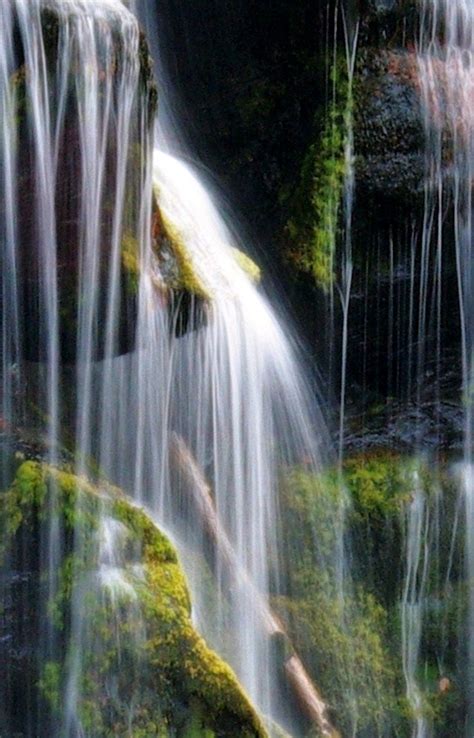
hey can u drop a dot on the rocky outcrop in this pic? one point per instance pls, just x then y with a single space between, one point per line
389 137
107 642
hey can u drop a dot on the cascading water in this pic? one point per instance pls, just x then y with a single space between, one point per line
137 351
446 63
417 564
242 410
93 353
74 113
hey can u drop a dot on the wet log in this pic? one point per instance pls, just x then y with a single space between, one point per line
197 488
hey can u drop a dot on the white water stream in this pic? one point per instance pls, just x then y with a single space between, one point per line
111 363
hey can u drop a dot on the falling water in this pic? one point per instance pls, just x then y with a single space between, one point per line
104 365
75 118
417 565
243 410
351 37
446 61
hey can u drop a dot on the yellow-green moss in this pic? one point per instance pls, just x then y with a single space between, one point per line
131 262
187 279
50 684
381 483
158 662
343 641
349 633
247 265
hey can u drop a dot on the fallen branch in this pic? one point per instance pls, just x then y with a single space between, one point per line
200 494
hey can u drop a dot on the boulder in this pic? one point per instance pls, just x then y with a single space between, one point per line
102 639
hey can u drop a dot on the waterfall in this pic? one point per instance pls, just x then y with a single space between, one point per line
113 375
417 565
446 62
243 409
157 415
75 190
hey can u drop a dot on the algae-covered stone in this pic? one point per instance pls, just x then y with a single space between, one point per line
123 657
342 636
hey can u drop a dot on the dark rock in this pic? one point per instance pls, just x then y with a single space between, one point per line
388 129
66 232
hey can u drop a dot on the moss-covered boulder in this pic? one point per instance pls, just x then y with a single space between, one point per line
181 276
107 644
389 519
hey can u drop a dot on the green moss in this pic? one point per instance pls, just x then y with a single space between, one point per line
313 229
251 269
344 640
27 494
50 685
131 262
344 644
142 663
352 643
314 513
186 278
381 483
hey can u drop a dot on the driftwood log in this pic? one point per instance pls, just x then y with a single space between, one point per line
195 485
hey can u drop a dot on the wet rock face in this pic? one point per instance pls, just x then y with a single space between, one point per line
20 631
389 132
57 221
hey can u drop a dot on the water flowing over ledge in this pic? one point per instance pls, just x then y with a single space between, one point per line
92 365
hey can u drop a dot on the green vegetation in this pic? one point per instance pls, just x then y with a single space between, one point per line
143 668
131 262
349 632
345 645
314 226
247 265
182 276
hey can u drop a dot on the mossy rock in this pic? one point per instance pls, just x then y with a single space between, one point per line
349 630
251 269
314 227
187 278
177 268
342 635
117 608
175 263
345 646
